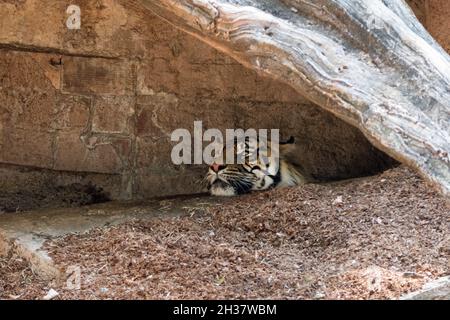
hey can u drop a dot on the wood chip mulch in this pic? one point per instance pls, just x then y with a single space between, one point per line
373 238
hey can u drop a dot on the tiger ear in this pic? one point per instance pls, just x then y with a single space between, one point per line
287 146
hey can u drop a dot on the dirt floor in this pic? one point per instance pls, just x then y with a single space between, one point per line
373 238
73 195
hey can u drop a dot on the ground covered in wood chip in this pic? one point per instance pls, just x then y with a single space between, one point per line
17 279
373 238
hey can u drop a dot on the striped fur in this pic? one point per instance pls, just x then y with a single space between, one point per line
272 171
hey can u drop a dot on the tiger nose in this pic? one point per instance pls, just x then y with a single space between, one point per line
216 167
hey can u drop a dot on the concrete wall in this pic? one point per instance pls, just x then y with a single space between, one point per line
97 105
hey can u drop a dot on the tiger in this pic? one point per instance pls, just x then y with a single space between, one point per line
254 174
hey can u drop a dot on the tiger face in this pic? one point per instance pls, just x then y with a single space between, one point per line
260 168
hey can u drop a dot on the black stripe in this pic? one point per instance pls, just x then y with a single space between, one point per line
276 178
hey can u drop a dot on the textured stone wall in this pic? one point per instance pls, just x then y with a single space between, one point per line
438 21
435 16
97 105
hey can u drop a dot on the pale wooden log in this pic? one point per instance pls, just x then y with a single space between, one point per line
369 62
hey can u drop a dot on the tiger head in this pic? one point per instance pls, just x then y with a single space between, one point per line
260 168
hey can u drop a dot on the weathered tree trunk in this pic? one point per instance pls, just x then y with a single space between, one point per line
369 62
